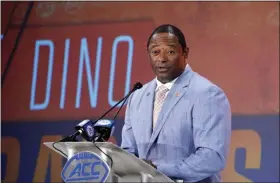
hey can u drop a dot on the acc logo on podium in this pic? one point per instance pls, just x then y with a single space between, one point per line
85 167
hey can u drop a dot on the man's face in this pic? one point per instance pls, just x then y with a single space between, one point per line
167 58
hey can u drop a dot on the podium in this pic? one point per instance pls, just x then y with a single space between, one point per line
83 166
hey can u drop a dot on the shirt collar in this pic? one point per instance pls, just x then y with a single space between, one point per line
167 85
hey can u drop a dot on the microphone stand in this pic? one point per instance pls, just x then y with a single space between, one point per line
73 136
125 98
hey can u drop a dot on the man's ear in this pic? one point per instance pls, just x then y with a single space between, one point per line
186 52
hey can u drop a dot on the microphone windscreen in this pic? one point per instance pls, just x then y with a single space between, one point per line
138 85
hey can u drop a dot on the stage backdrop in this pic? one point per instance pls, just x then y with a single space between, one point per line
76 59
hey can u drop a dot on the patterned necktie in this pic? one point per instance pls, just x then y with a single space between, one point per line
159 99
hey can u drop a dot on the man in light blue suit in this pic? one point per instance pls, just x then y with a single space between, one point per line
179 122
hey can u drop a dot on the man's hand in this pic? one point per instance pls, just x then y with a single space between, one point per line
150 163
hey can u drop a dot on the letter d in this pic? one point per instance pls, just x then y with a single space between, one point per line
41 106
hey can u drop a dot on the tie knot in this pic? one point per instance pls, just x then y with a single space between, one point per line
162 89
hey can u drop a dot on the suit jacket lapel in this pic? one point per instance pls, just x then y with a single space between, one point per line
148 99
175 94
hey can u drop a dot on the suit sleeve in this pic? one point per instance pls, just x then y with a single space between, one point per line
211 116
128 139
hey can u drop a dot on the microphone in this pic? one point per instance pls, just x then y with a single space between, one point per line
99 130
105 128
84 128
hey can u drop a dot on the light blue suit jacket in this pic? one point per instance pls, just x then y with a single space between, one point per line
192 135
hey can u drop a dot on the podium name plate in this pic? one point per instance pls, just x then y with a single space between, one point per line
85 166
86 163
